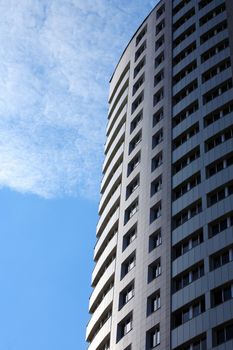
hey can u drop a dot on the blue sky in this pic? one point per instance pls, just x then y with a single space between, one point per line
56 60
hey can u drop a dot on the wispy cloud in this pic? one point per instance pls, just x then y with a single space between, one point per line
56 59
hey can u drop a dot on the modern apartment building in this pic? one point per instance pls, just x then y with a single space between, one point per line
164 253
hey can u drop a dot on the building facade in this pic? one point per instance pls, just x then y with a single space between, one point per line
163 276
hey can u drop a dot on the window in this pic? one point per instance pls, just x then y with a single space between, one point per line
187 213
156 161
221 258
217 91
137 102
219 138
106 345
185 113
157 138
154 270
186 160
158 96
184 53
222 294
141 35
184 35
139 66
213 31
181 21
128 264
187 90
160 27
185 136
197 343
187 185
134 163
125 326
129 237
219 164
160 11
180 5
187 244
140 50
155 240
219 194
213 71
131 210
135 141
138 83
159 59
126 295
222 333
220 224
134 184
153 302
184 72
213 13
159 42
157 117
156 186
218 113
159 77
188 312
136 121
155 212
214 50
204 3
188 276
153 337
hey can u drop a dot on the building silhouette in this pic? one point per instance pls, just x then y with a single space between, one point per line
164 253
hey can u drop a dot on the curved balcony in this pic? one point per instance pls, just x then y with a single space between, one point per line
116 177
108 273
114 132
119 139
105 303
101 335
114 161
106 215
107 251
112 222
117 112
119 91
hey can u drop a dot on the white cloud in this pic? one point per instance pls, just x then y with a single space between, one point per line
56 59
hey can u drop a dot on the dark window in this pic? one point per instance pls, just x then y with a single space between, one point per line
153 302
186 277
156 186
156 161
221 258
213 31
141 35
186 160
129 237
126 295
153 337
155 212
135 122
140 50
125 326
157 117
154 270
187 244
128 264
184 35
155 240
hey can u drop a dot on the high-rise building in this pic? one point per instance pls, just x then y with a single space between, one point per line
164 254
